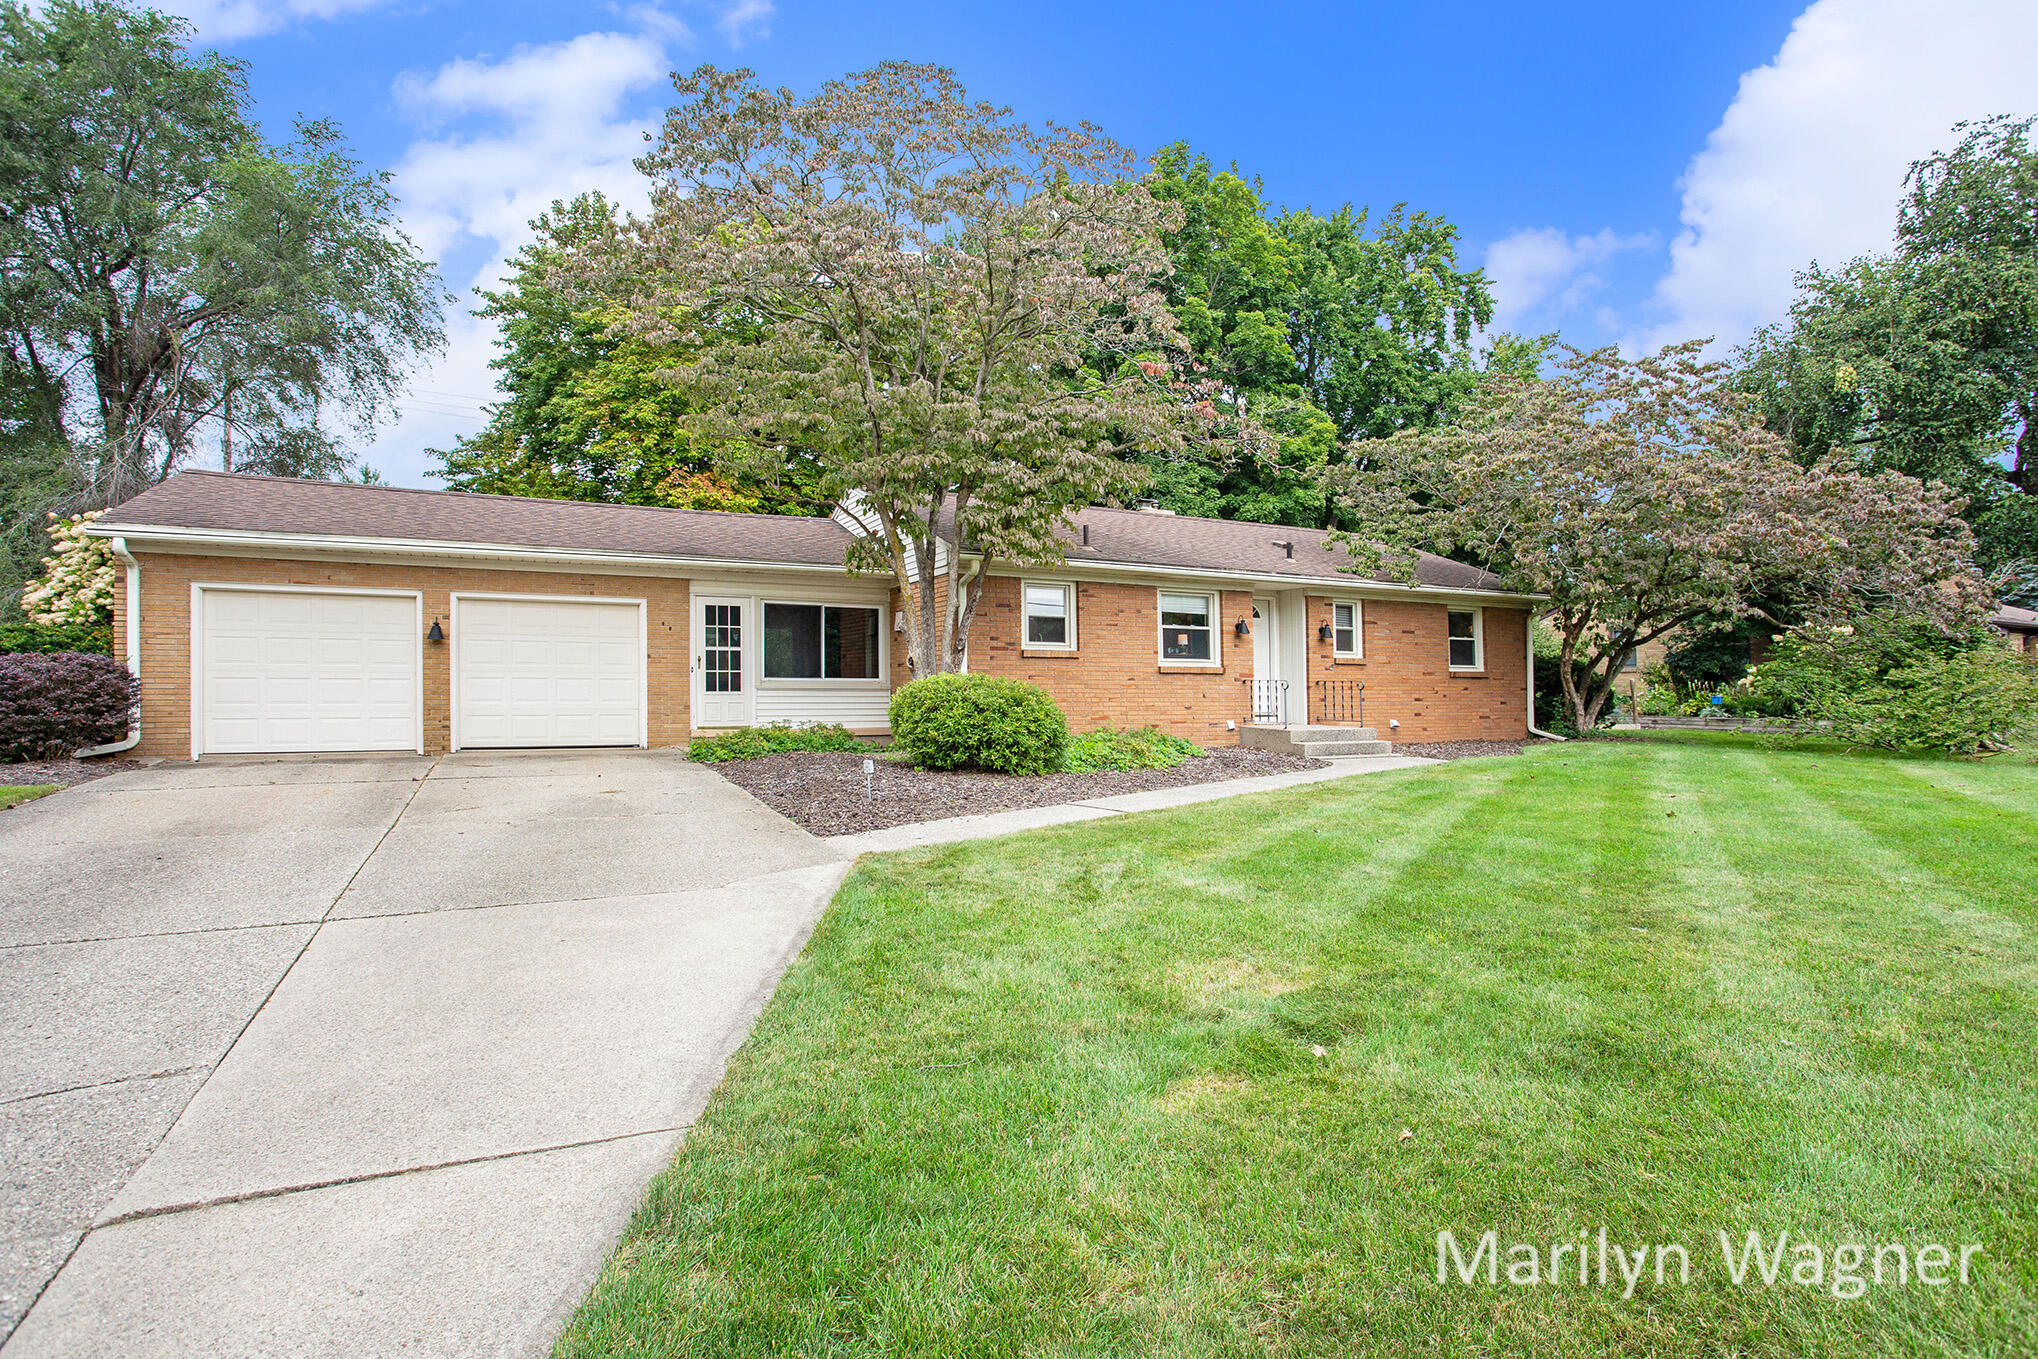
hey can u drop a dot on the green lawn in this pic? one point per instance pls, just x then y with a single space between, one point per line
10 793
1061 1094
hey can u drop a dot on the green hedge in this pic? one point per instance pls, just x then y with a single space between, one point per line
748 743
1145 748
979 722
95 639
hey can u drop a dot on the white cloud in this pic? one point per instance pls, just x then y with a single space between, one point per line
505 139
226 20
742 20
1545 271
1809 160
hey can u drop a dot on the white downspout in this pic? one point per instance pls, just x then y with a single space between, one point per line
134 647
1533 729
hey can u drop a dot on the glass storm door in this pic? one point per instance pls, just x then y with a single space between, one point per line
721 662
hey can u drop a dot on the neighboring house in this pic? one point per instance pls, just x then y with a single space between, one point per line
2020 626
276 615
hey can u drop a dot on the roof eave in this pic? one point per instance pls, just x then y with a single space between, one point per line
143 534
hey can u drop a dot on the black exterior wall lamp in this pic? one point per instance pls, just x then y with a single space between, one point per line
437 634
1323 633
1242 628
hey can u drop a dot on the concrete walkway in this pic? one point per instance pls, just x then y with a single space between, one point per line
992 824
352 1057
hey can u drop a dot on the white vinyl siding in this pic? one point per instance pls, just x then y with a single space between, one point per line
547 672
298 670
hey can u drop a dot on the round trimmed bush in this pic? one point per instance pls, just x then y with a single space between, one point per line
979 722
53 703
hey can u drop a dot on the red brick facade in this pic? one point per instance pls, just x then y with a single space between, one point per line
1407 674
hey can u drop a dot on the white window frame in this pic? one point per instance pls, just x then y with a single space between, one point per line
884 649
1478 639
1214 613
1068 599
456 634
1358 649
195 713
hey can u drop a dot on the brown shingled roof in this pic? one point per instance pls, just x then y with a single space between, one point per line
2016 619
233 502
1134 538
1220 546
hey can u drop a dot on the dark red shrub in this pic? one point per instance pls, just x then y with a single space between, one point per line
54 703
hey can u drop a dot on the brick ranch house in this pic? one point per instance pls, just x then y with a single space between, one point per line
269 615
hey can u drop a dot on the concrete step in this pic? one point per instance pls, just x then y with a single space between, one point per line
1316 750
1291 739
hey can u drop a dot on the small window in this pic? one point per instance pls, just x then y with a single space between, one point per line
1465 640
1630 662
1050 615
821 641
1346 625
1186 633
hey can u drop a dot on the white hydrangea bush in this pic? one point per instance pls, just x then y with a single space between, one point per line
78 577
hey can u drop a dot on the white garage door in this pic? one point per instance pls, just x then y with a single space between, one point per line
548 672
297 670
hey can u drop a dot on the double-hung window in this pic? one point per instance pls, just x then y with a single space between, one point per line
1347 624
1467 643
1188 634
822 641
1050 615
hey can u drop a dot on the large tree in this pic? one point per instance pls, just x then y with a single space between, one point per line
1925 360
169 281
952 315
1642 495
1330 329
586 412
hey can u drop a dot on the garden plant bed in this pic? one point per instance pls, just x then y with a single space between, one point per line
63 773
824 791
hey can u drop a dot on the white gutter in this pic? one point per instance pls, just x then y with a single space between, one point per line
1357 586
1533 729
134 647
426 547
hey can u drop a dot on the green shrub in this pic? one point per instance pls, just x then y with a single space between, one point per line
94 639
1893 684
748 743
979 722
1146 748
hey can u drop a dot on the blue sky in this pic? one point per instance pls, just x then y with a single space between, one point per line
1625 173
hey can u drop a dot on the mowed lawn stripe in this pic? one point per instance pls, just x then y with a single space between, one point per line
1062 1094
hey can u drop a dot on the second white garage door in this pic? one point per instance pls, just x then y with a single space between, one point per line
547 672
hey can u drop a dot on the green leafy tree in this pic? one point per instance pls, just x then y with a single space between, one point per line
1328 329
588 411
952 314
1641 496
168 280
1925 361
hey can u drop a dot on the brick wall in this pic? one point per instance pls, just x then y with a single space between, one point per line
1407 674
166 631
1115 678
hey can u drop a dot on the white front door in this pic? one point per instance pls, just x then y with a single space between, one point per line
284 670
722 681
548 672
1268 704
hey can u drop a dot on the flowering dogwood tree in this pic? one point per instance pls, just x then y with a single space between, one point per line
955 316
78 576
1641 495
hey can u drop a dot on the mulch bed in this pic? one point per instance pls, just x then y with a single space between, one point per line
63 773
1463 750
824 791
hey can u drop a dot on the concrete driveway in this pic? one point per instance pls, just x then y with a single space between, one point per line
359 1056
